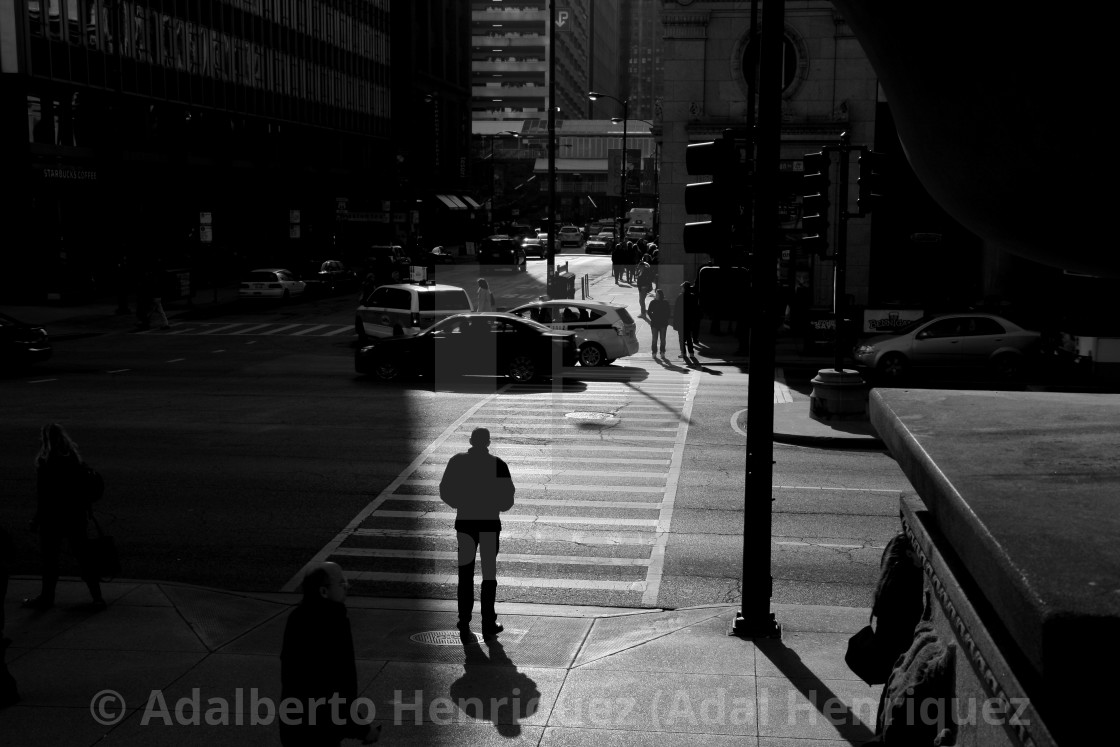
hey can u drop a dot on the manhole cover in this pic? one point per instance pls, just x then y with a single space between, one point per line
454 638
442 637
592 417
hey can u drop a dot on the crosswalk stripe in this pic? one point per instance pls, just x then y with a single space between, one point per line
372 552
443 459
310 329
639 505
549 487
539 533
521 518
338 331
220 329
281 329
622 436
250 329
453 578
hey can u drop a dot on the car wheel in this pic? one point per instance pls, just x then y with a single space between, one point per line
386 370
892 366
1007 365
592 355
522 370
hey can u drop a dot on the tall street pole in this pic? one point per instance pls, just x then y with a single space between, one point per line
625 161
551 140
754 619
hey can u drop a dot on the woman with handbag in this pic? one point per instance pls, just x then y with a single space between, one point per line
63 485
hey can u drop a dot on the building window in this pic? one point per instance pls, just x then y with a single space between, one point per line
794 61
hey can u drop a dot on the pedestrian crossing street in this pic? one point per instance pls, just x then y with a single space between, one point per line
595 467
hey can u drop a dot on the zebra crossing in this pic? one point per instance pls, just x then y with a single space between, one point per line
595 467
249 329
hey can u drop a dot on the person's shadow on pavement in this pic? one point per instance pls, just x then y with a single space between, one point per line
491 689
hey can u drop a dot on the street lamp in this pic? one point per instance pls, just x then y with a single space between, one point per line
656 157
595 96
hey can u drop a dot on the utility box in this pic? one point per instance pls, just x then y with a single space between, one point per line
562 285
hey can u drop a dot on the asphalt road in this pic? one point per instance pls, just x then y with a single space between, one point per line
238 447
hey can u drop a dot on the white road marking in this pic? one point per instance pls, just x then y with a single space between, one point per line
40 381
547 583
280 329
505 557
310 329
220 329
549 487
536 532
119 370
176 360
338 331
657 557
247 330
569 503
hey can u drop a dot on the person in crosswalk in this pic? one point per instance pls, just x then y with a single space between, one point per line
479 487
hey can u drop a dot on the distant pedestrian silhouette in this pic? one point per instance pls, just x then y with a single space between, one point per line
317 665
62 513
478 485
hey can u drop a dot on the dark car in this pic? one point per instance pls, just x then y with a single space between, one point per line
486 344
330 276
503 251
22 344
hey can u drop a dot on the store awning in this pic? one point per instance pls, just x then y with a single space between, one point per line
573 166
452 202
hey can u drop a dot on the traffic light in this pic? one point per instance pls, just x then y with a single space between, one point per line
716 198
870 182
814 202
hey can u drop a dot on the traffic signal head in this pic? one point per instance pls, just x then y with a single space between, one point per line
721 197
814 202
870 183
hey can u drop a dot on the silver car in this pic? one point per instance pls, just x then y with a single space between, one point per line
967 339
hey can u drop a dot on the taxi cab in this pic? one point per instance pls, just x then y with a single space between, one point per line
404 309
604 331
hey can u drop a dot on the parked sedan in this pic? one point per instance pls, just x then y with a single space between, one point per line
502 251
22 344
604 331
963 340
489 344
271 283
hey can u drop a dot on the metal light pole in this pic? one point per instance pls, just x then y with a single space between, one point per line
551 142
656 159
595 96
755 620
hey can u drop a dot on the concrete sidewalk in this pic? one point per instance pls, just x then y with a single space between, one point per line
171 664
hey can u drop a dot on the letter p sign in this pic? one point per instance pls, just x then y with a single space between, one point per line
562 18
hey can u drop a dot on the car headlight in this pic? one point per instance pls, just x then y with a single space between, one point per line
864 350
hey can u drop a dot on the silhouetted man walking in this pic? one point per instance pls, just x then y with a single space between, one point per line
478 485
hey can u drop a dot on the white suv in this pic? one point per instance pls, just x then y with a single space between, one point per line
604 331
412 307
570 236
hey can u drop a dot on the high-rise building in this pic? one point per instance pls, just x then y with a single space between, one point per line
205 135
509 58
644 65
